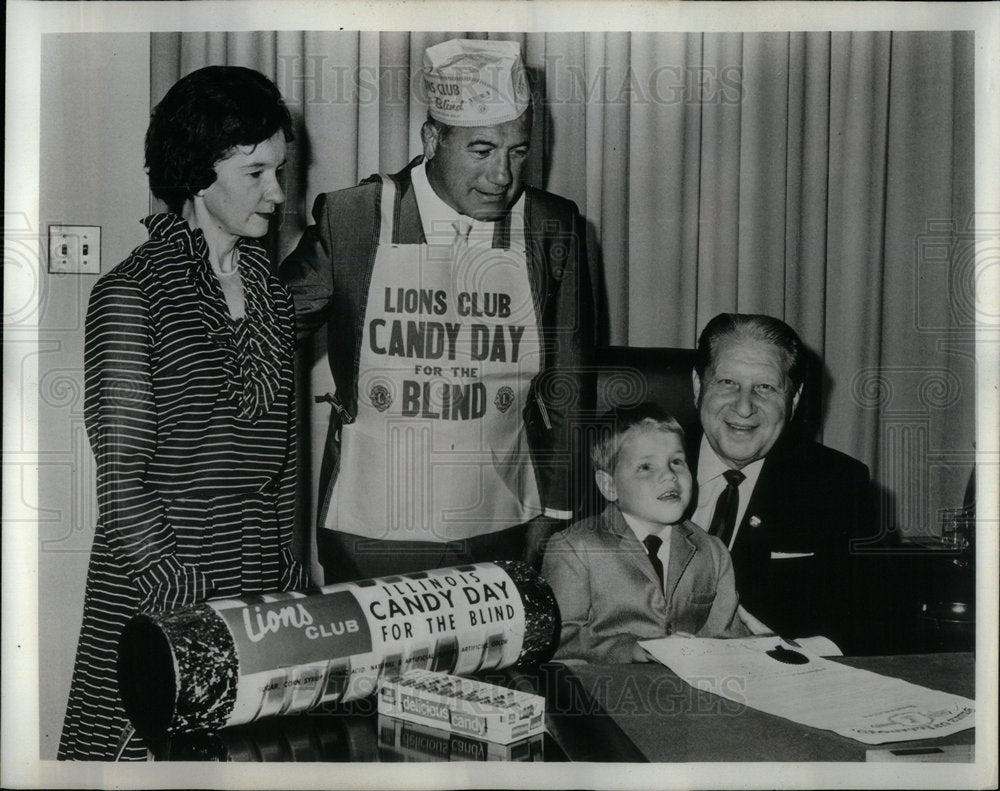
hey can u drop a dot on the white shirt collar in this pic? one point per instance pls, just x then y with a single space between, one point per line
640 529
710 467
710 470
436 216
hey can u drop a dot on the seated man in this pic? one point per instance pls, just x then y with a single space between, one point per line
639 570
785 506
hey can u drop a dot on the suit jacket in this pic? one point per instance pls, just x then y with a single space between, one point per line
328 275
609 595
795 569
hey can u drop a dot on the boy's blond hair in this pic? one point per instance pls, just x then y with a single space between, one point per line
607 441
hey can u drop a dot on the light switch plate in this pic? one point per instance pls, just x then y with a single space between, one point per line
75 249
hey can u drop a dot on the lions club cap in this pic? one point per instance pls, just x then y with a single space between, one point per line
475 83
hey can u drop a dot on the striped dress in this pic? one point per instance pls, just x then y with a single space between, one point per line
190 415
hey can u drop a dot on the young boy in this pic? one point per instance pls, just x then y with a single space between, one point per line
611 590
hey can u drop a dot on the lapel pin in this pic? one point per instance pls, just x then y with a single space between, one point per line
754 521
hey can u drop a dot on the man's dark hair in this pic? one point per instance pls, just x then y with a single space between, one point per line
200 120
440 127
752 327
614 423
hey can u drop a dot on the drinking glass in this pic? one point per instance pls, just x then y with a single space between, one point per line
956 527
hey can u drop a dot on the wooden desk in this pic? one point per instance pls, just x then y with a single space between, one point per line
594 713
669 721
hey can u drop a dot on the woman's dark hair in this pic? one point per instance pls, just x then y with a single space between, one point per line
201 119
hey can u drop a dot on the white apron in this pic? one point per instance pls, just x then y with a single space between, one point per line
438 450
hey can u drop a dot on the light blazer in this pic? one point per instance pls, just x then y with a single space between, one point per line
795 566
609 595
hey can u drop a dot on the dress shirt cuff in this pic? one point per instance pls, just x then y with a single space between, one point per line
552 513
294 575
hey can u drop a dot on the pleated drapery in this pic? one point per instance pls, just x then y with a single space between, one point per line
824 178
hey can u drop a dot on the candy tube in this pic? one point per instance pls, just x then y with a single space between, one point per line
232 661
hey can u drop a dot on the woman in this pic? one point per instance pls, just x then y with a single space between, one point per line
189 391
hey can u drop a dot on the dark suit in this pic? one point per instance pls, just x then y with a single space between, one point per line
609 596
792 554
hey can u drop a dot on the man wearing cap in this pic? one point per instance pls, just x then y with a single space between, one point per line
458 313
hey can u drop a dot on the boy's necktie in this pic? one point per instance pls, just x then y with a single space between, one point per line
726 507
653 544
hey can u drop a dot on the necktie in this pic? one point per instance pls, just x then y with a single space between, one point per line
724 517
462 228
653 544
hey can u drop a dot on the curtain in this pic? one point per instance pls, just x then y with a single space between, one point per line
824 178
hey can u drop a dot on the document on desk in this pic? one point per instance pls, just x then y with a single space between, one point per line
776 677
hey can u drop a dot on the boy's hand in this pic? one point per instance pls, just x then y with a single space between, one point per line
755 625
639 654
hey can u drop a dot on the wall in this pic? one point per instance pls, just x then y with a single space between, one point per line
95 108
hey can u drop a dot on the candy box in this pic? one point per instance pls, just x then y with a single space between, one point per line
463 705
